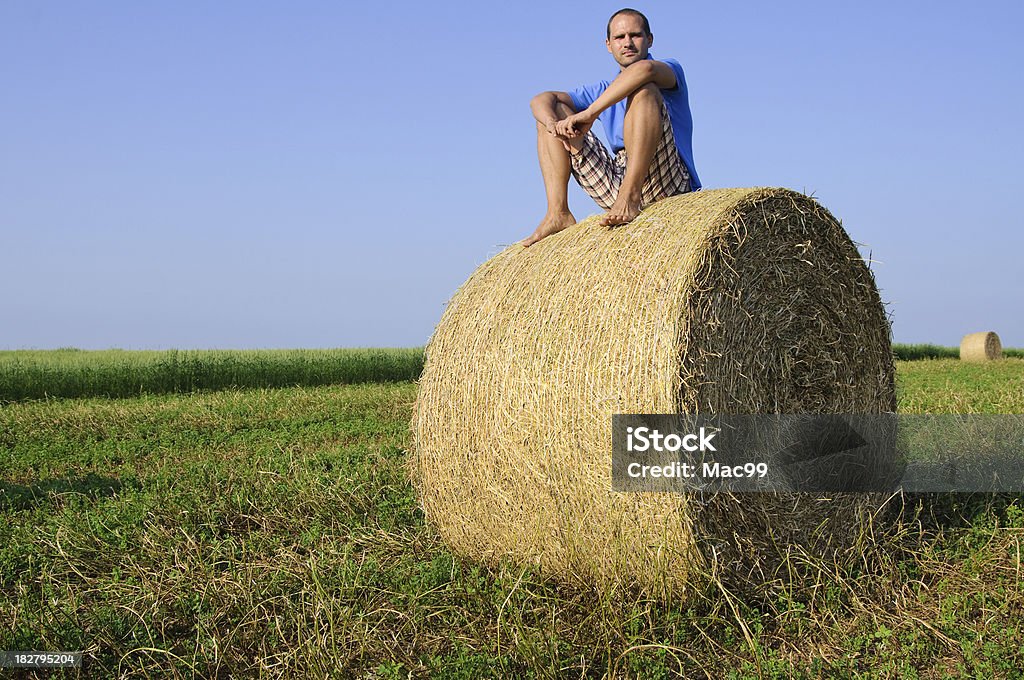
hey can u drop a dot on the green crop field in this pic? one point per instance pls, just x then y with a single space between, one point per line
28 374
274 532
32 374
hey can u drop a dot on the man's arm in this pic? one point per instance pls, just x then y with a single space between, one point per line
631 79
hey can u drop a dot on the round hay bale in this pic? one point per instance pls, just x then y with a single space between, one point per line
728 301
981 347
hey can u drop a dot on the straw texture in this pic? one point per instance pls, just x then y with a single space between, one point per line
722 301
981 347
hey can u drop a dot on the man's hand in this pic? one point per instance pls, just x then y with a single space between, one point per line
575 125
552 127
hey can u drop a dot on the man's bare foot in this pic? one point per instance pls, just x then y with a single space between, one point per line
552 223
624 210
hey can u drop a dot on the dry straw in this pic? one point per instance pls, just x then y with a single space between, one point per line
723 301
981 347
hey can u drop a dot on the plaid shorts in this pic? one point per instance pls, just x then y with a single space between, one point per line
600 174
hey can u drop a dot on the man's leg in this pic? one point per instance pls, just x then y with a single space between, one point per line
555 167
642 132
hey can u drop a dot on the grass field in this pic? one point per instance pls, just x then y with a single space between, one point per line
907 352
274 532
32 374
28 374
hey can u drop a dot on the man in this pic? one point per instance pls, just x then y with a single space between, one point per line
645 111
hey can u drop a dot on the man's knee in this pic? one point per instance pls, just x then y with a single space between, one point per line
649 94
561 113
563 110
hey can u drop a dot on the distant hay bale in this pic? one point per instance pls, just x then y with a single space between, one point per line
728 301
981 347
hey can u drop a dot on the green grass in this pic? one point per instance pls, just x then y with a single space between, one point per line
30 374
952 386
70 373
274 532
905 352
913 352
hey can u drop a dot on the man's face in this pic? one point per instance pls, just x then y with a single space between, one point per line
628 43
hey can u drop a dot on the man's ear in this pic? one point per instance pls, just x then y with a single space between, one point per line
608 44
650 39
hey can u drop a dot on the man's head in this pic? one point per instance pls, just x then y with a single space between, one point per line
629 37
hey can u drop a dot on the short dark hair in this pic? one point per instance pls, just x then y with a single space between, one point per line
633 12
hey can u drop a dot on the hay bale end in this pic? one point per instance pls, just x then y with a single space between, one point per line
981 347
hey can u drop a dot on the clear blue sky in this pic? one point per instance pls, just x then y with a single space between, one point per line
257 174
